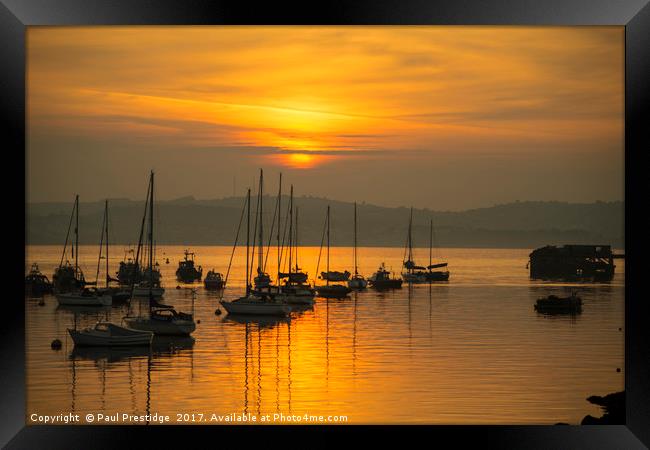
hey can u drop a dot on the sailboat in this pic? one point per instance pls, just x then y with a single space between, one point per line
117 293
357 281
435 275
68 277
79 295
262 280
414 273
253 303
150 286
295 290
162 319
331 290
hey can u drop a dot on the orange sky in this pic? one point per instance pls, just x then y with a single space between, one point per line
308 97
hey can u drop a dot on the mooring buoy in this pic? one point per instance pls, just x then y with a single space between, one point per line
56 344
217 312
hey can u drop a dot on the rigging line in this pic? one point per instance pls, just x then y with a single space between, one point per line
320 251
268 247
283 255
232 254
101 247
67 236
257 212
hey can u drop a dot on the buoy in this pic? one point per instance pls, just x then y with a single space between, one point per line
56 344
178 286
620 329
618 369
41 302
217 312
198 321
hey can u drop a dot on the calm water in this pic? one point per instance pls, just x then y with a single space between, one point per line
470 351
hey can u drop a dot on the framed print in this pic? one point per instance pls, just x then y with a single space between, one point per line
355 218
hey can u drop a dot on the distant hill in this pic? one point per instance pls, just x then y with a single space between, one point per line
189 221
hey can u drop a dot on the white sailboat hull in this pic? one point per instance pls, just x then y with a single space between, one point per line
257 308
74 299
111 337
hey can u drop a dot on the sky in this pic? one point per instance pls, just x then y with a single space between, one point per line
441 117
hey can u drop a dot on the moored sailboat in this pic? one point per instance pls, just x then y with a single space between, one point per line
357 281
331 290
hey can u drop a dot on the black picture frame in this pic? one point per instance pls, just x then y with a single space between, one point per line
16 15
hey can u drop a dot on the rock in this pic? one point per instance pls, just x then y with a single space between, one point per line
613 406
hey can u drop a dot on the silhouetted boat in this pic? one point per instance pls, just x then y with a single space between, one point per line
129 271
332 290
382 279
117 293
262 280
214 281
106 334
85 297
357 281
36 283
187 272
555 304
68 277
162 319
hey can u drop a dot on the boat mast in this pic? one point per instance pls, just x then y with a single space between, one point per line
76 244
248 237
328 246
410 239
279 225
430 241
290 230
296 244
151 239
106 215
67 236
260 256
354 249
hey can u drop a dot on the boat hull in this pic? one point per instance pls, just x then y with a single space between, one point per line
357 283
71 299
333 291
213 285
125 338
157 292
176 327
386 284
259 309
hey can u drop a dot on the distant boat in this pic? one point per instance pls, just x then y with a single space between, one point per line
129 271
68 277
431 274
421 274
332 290
262 280
254 303
36 283
117 293
357 281
214 281
382 279
106 334
555 304
85 297
186 272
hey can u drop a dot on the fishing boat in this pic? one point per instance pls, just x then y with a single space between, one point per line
214 281
106 334
68 277
36 283
382 279
357 281
187 272
254 303
331 290
162 319
555 304
129 271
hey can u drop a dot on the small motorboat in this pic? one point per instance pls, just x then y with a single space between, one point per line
85 297
357 282
555 304
214 281
333 291
257 305
382 279
106 334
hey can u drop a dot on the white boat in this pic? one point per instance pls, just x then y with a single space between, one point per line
255 305
85 297
164 322
106 334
